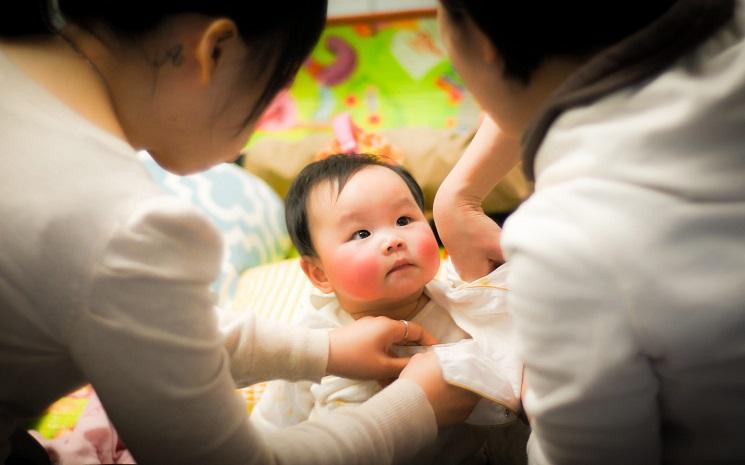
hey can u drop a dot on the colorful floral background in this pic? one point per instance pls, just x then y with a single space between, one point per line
385 74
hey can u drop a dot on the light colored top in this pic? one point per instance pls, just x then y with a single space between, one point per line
628 271
476 353
105 279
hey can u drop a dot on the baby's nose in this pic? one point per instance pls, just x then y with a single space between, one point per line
393 243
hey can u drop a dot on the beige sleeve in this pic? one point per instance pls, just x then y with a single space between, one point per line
261 350
389 428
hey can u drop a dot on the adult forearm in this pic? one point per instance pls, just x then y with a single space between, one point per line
471 238
487 159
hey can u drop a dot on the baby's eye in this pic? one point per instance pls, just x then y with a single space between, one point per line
403 221
361 234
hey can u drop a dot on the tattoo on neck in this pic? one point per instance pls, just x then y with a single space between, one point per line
174 55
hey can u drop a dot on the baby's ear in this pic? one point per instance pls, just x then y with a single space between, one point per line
314 271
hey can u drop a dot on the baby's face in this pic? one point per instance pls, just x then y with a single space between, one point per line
372 241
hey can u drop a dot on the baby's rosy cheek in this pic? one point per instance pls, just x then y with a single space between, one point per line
358 276
427 248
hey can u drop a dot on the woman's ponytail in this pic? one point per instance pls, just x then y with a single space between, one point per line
25 18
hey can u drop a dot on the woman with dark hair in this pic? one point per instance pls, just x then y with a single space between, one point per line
628 259
104 279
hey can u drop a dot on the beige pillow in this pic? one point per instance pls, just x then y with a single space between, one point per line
429 154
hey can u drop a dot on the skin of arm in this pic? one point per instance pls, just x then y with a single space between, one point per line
472 238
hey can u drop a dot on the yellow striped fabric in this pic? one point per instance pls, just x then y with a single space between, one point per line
274 291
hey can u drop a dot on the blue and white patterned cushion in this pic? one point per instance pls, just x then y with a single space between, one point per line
248 213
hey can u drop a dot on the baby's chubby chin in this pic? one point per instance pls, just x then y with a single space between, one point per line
409 276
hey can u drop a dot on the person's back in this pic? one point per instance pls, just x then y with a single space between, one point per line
643 192
627 261
63 184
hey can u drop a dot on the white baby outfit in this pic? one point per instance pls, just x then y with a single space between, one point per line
475 350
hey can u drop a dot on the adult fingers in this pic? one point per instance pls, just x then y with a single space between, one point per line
412 332
398 363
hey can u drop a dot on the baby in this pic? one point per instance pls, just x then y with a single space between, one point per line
365 244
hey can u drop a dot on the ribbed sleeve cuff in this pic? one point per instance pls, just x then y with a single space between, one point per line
405 417
304 351
311 349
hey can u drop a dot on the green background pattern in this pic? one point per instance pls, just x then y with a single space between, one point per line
402 78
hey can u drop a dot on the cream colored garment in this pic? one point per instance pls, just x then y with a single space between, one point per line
105 280
476 352
487 363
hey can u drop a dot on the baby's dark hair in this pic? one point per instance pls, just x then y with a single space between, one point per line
339 168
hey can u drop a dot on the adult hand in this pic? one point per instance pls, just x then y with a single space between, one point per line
362 350
451 404
470 237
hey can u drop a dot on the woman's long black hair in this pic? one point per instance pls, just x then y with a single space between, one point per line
280 33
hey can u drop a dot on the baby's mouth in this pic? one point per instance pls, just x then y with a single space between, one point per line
400 265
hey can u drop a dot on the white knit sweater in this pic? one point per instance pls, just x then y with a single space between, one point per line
628 271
